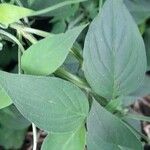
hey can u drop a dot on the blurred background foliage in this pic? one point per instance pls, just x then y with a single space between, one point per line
13 126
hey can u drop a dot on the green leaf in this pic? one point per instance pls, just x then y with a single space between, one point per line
103 128
147 45
51 103
11 13
142 91
69 141
11 139
11 118
46 56
4 99
114 52
140 9
61 13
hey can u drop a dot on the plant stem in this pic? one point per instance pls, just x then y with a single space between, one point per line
51 8
41 33
77 54
29 37
13 38
20 72
24 28
77 20
137 117
34 136
72 78
100 4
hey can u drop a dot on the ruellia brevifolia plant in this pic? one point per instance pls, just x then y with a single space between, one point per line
87 108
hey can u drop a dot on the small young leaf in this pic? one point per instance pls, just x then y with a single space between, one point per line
114 52
11 13
46 56
68 141
51 103
4 99
103 128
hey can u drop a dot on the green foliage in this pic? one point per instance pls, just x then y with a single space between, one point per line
11 13
71 141
46 56
106 131
112 35
76 86
4 98
140 9
69 108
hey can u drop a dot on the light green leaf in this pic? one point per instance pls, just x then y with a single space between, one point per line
46 56
11 13
103 128
4 99
51 103
69 141
114 52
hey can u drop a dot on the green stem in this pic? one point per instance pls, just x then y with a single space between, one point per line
29 37
77 55
34 136
59 5
25 30
21 27
72 78
100 4
20 72
13 38
137 117
19 55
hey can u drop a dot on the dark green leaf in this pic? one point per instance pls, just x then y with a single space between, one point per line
140 9
51 103
114 52
103 128
11 118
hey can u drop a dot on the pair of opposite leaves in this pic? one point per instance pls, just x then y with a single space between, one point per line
113 48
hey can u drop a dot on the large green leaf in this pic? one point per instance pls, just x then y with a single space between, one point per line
11 13
4 99
114 52
69 141
140 9
103 128
51 103
46 56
